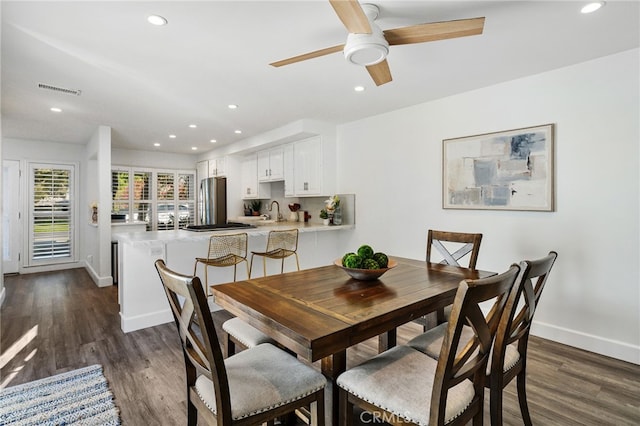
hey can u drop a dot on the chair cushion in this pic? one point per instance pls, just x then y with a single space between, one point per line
262 378
400 381
430 343
244 333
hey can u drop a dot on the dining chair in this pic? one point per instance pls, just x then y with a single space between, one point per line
224 250
280 245
255 386
450 249
509 355
404 386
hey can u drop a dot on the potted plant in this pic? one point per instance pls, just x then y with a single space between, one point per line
256 205
324 215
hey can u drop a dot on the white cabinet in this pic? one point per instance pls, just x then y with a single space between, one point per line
308 168
217 167
289 171
251 188
271 165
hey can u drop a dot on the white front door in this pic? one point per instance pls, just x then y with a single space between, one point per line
10 216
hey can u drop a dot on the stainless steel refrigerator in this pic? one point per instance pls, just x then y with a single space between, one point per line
213 201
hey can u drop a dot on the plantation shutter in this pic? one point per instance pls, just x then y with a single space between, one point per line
120 192
187 199
51 224
142 197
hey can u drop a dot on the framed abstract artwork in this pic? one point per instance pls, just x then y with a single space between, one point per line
507 170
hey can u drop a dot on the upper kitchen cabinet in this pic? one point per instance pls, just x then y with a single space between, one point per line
251 188
217 167
289 171
313 169
271 165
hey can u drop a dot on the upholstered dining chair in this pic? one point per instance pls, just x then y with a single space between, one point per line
509 355
224 250
404 386
450 249
253 387
280 245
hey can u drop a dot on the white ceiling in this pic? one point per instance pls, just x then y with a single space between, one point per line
148 82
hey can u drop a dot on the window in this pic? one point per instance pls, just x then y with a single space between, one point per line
156 197
52 213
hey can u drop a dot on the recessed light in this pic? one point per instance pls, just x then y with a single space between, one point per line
54 109
213 141
172 136
232 106
193 126
592 7
359 88
156 144
237 132
194 148
157 20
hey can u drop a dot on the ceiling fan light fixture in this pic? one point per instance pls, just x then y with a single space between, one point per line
366 49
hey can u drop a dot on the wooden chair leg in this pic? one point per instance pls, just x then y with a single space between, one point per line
264 265
231 346
234 272
522 397
345 414
282 266
495 404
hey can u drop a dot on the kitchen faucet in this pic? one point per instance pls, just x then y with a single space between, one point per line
278 217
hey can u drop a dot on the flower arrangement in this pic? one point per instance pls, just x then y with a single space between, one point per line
294 207
332 204
324 214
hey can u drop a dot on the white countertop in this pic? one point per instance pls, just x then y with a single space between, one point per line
151 237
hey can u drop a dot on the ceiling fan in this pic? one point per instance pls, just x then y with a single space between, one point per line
368 45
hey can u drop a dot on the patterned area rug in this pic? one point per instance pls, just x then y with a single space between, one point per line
78 397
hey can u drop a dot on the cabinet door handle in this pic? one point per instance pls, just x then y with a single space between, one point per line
306 186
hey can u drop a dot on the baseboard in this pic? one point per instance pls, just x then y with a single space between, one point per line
98 280
138 322
589 342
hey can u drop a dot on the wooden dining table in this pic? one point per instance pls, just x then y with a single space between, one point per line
318 313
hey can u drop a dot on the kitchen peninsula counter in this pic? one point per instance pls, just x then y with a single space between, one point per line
141 296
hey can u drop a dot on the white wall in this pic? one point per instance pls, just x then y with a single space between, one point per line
96 187
592 299
157 160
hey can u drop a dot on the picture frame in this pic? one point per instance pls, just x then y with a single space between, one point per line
505 170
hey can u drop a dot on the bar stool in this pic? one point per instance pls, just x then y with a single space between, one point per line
224 250
230 250
280 245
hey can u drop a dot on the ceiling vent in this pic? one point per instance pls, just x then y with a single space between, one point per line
59 89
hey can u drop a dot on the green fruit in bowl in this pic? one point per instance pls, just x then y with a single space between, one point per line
370 264
345 257
382 259
365 251
352 261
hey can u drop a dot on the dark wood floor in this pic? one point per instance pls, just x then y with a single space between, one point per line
58 321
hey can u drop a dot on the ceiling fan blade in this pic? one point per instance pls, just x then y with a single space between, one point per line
352 16
380 73
309 55
434 31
